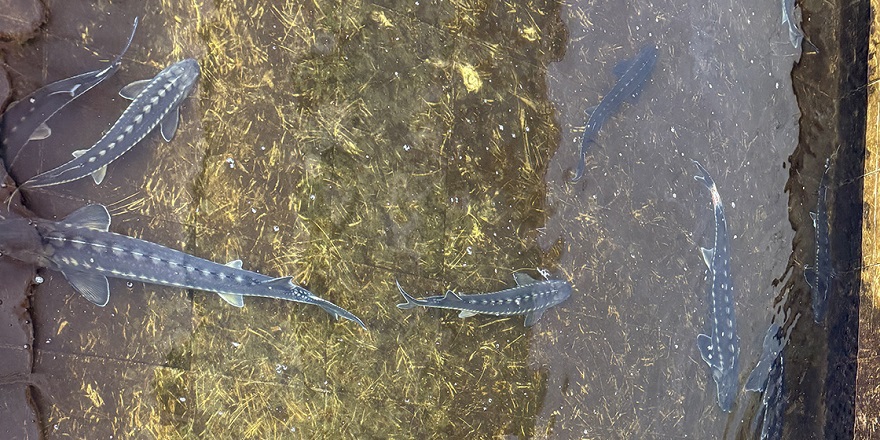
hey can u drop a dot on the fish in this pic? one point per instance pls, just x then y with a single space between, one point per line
720 349
819 276
773 402
25 119
530 297
155 102
83 249
632 75
773 344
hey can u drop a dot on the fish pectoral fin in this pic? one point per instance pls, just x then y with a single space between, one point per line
523 279
134 89
91 217
704 343
815 218
233 299
467 313
78 153
708 256
590 110
99 174
757 380
90 285
168 126
42 132
621 67
533 317
235 264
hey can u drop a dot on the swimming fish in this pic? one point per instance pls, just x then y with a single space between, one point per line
819 275
83 249
720 349
530 298
632 75
25 120
155 102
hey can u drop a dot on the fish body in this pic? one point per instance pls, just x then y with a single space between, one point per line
81 247
720 349
773 402
530 298
155 102
632 75
25 120
819 275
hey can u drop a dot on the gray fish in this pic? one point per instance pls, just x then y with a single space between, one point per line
632 75
819 275
155 102
773 344
773 402
720 349
530 298
25 120
81 247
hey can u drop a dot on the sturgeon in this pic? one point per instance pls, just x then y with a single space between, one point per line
83 249
155 102
819 275
632 75
720 348
25 119
530 298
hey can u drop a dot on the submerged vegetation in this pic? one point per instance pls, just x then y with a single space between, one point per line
347 144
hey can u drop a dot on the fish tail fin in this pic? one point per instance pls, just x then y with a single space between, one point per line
335 310
813 48
581 168
410 301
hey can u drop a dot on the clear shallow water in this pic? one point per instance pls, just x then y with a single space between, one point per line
351 144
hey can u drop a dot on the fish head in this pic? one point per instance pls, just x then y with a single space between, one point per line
188 73
562 290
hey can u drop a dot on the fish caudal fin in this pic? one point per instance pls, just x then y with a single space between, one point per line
410 303
335 310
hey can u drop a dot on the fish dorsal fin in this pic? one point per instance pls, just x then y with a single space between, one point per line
90 217
708 256
169 124
99 174
134 89
278 283
90 285
621 67
451 296
810 276
236 264
523 279
467 313
704 343
533 317
42 132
